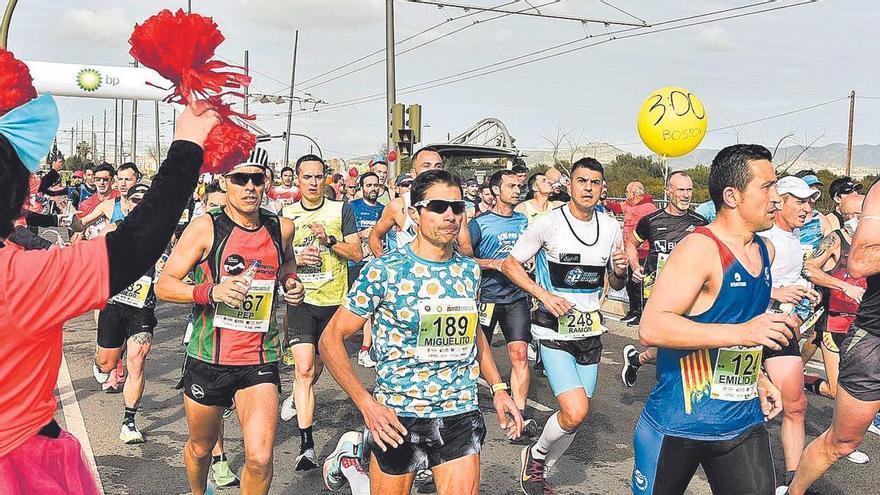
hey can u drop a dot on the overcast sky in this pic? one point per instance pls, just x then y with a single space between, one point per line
743 69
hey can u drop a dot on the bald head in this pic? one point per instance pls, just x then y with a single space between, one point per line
851 206
553 174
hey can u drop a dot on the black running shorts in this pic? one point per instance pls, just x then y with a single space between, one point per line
216 384
118 322
430 442
515 321
306 323
860 365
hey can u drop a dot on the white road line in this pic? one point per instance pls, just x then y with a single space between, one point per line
529 402
73 418
815 366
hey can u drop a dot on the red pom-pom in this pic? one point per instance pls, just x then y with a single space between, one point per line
227 145
179 47
16 83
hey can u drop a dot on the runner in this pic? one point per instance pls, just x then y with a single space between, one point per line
574 249
326 239
87 189
858 394
367 212
487 200
395 213
379 166
537 200
112 209
784 367
840 188
41 289
490 238
352 190
424 408
127 324
105 190
287 193
240 253
709 405
662 230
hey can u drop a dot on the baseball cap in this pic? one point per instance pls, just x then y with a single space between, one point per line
797 187
843 185
78 173
472 182
403 180
378 159
812 180
258 158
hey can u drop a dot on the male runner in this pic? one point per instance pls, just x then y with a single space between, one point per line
380 167
112 209
662 230
287 193
858 393
240 254
87 189
326 239
487 200
423 298
537 200
574 249
784 367
396 214
367 211
104 190
840 188
489 239
128 320
709 321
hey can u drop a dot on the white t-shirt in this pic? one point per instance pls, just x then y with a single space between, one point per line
571 258
789 260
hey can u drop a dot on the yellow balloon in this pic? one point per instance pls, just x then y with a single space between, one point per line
672 121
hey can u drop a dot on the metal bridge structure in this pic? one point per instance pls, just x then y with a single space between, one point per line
488 138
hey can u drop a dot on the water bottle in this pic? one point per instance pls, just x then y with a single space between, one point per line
250 273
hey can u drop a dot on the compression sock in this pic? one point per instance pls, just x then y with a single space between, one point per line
305 439
128 416
357 478
559 448
552 433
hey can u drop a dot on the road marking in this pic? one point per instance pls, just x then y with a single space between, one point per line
73 418
529 402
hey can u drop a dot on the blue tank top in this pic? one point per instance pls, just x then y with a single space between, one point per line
680 403
811 232
117 216
492 238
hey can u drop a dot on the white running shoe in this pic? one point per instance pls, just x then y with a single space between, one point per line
288 409
365 360
874 427
130 434
858 457
100 376
349 445
781 490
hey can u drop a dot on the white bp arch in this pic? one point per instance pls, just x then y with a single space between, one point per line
98 81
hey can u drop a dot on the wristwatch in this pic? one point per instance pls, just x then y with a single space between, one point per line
331 241
499 387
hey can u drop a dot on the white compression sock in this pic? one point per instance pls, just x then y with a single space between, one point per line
357 478
552 433
559 448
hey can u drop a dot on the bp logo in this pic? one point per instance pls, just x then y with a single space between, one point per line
88 80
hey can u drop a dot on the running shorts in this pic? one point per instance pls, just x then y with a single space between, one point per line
514 318
216 384
665 465
430 442
564 373
791 349
118 322
306 323
833 340
859 365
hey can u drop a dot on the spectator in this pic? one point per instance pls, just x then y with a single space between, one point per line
638 203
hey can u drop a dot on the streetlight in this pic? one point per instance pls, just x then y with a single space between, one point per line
4 24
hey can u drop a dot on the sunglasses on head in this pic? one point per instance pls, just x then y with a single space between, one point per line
441 205
241 179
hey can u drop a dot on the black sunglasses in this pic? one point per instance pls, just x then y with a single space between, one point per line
241 179
440 206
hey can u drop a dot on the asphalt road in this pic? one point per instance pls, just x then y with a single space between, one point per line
599 461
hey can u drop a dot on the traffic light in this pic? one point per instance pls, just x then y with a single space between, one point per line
405 142
397 123
414 122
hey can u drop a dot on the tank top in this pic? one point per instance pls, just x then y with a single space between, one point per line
407 233
811 232
117 215
841 308
247 335
694 396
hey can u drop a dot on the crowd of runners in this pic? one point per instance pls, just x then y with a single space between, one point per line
424 269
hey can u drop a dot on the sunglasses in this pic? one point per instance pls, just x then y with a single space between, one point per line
241 179
440 206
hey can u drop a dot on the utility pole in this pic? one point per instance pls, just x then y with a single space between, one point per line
134 126
189 6
75 138
852 111
247 72
115 131
290 101
104 139
121 132
158 147
390 90
93 140
72 142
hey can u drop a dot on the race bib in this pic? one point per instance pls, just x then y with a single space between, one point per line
650 280
486 312
579 324
736 373
255 312
135 295
184 218
314 274
447 329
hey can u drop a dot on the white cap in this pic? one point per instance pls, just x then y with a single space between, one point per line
797 187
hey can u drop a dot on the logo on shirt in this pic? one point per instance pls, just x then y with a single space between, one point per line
569 258
737 281
234 264
578 275
690 228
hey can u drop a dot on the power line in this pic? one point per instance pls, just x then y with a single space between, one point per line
776 116
583 20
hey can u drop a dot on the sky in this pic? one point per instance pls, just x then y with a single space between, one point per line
742 69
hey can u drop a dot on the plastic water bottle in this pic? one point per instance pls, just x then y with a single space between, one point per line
250 273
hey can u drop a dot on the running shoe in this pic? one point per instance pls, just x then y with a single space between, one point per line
424 482
858 457
228 412
531 479
530 431
630 370
635 321
114 382
288 408
306 460
874 427
130 434
100 376
365 360
781 490
627 317
223 475
347 446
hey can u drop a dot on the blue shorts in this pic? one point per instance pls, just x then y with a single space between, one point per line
564 373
